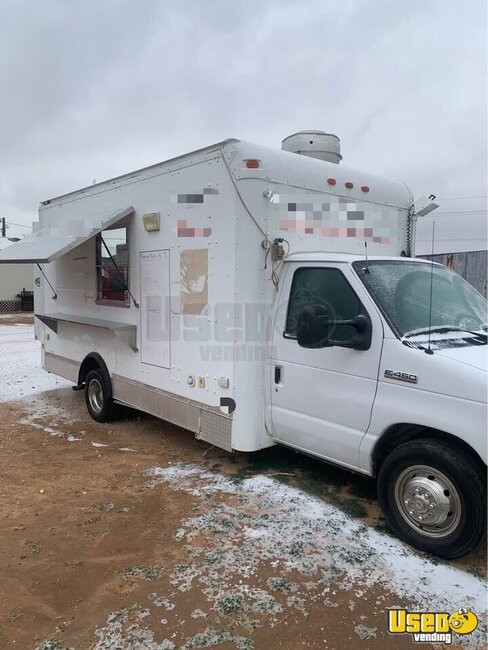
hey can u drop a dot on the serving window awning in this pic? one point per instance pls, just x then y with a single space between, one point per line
58 238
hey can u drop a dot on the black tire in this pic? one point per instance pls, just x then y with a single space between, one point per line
453 495
98 396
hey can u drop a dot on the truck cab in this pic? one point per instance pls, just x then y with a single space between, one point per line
379 365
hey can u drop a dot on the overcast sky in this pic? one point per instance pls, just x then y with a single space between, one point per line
93 89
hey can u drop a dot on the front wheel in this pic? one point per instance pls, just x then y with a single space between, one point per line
434 497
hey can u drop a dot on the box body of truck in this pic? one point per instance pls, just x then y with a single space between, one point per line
202 280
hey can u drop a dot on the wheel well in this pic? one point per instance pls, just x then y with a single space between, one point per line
400 433
92 361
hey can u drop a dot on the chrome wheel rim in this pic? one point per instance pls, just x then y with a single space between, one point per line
95 395
428 501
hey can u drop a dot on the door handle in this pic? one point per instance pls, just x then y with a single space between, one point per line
277 375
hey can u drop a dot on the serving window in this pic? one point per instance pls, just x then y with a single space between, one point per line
112 254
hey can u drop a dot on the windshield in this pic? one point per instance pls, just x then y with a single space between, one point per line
402 290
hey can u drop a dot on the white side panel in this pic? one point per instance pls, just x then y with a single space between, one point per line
74 341
197 211
155 304
449 396
295 197
253 295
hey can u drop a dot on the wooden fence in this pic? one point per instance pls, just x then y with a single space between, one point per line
472 266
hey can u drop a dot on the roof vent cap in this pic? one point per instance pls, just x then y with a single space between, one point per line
315 144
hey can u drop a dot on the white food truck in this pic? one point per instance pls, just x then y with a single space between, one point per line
257 296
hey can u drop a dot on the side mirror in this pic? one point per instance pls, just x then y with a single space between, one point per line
314 330
313 327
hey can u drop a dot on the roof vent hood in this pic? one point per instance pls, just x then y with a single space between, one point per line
315 144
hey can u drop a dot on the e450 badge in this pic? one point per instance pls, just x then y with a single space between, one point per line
401 376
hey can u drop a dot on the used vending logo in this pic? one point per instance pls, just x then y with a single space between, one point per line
429 627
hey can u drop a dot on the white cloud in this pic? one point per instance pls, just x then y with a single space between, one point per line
92 90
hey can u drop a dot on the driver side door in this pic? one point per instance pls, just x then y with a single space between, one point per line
322 399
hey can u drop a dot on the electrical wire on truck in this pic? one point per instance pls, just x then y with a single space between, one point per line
258 297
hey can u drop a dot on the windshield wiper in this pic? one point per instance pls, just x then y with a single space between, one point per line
440 329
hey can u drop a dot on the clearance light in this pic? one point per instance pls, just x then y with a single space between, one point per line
331 181
365 188
253 164
349 185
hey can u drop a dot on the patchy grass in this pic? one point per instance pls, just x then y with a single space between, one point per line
381 526
338 486
353 507
478 572
279 584
52 644
363 487
297 549
211 637
147 572
230 604
161 601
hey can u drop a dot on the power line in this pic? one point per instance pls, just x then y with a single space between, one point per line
455 212
462 211
461 198
21 225
419 239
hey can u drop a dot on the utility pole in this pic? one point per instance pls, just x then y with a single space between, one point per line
4 227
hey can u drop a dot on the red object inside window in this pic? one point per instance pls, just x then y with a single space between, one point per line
114 285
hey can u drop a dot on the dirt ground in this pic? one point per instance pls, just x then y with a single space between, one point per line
98 552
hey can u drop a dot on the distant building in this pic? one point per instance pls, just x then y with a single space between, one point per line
13 279
460 241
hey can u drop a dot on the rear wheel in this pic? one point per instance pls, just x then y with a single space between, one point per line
98 397
434 497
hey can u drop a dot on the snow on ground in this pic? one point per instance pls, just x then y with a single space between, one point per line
263 520
242 530
20 360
